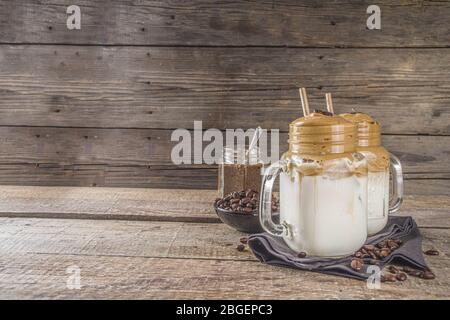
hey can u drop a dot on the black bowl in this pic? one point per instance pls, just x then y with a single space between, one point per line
243 222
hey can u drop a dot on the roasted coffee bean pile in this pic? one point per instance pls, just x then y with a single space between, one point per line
374 253
245 201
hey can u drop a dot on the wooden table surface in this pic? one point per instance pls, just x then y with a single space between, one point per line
153 243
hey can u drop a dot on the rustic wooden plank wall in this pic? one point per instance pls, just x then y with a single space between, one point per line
96 106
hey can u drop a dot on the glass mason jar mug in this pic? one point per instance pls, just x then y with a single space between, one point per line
380 164
323 189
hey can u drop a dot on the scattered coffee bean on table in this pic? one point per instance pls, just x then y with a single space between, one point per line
415 273
393 269
243 240
407 269
388 277
302 255
427 275
401 276
240 247
432 252
412 272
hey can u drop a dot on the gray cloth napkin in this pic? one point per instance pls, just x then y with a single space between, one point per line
273 250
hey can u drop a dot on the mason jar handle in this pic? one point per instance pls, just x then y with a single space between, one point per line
397 184
265 205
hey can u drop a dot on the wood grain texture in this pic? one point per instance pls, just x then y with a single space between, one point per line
68 98
152 147
407 90
152 239
161 177
109 175
121 259
235 23
146 147
156 205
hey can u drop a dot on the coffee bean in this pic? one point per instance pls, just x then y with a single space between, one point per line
432 252
384 253
407 269
369 247
242 194
373 255
393 247
377 253
415 273
401 276
356 264
325 113
427 275
358 254
389 277
381 244
301 255
235 201
391 244
245 201
248 210
243 240
240 247
393 269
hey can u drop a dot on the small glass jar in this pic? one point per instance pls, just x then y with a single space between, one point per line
380 164
323 189
239 170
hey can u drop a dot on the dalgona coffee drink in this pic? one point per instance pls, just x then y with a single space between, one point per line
323 188
379 163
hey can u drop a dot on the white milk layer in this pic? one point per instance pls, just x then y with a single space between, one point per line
327 216
378 201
